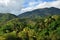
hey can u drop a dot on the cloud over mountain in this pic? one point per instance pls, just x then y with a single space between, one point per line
41 4
20 6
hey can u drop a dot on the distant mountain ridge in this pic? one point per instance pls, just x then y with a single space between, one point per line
32 14
41 12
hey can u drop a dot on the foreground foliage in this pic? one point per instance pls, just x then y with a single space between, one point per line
47 28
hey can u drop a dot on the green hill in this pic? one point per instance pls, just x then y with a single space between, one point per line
40 24
40 12
4 17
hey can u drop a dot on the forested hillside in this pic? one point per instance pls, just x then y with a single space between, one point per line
46 28
40 24
4 17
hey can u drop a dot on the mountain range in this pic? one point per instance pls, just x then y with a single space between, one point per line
32 14
39 24
41 12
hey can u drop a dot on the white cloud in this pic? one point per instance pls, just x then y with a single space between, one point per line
4 2
49 4
27 9
43 5
13 6
34 3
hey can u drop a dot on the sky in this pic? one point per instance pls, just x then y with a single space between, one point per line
20 6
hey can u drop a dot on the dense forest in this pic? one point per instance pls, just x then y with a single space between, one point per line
40 24
42 28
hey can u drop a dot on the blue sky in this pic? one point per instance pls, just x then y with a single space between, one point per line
26 2
20 6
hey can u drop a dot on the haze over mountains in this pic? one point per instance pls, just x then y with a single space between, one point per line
34 13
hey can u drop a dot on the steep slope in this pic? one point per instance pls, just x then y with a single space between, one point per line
4 17
40 12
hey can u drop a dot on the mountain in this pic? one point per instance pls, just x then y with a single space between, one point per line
4 17
40 12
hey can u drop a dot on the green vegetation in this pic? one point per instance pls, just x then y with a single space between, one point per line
40 12
4 17
42 28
